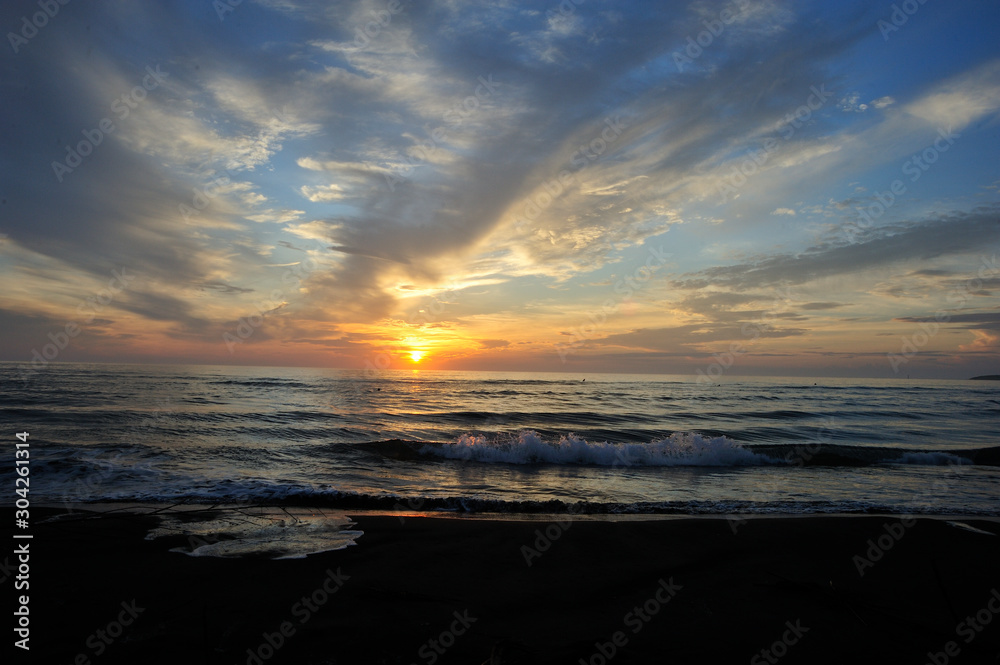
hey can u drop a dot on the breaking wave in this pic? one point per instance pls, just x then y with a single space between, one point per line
679 449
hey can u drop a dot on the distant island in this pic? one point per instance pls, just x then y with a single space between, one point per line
986 377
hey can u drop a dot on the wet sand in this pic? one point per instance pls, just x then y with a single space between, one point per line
432 590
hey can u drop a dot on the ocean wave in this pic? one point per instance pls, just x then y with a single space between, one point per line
933 459
680 449
260 383
836 454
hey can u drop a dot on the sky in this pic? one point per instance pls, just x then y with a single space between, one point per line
750 187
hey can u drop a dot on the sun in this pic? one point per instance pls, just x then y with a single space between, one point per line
415 356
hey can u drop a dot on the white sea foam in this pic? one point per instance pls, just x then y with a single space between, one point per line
278 534
679 449
932 459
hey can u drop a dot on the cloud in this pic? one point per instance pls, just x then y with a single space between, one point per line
961 100
323 193
931 272
821 305
956 233
222 287
522 151
684 340
852 103
973 321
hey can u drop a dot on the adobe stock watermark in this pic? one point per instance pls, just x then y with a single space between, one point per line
435 647
30 27
878 547
223 8
202 197
414 504
303 609
713 29
585 154
87 310
84 488
900 14
247 325
624 287
363 35
635 620
968 628
564 9
7 570
797 455
454 117
756 160
753 330
101 639
545 538
780 647
914 167
929 327
121 107
382 361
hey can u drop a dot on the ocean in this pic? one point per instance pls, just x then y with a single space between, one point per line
503 443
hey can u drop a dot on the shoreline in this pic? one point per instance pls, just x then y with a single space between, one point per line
538 591
175 508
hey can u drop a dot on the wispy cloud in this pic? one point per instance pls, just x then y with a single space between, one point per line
510 155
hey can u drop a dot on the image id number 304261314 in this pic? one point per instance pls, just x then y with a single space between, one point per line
21 553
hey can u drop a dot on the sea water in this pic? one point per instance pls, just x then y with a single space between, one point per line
497 442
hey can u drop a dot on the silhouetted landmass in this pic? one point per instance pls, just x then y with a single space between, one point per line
986 377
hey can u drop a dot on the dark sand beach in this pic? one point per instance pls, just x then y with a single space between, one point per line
668 591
